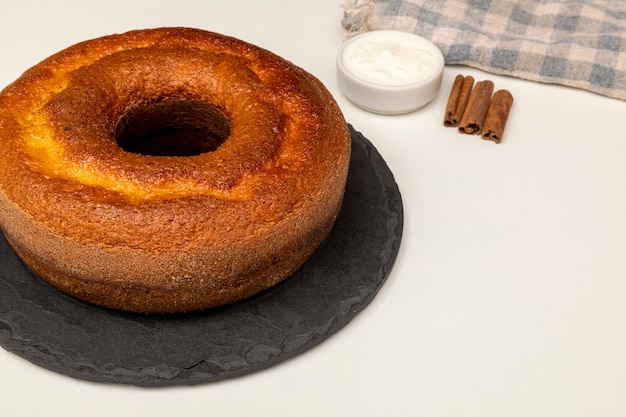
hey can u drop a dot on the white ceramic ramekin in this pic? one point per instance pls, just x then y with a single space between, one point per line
409 54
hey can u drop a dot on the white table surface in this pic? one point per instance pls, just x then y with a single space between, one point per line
508 295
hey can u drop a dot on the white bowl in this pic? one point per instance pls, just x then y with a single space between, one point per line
389 72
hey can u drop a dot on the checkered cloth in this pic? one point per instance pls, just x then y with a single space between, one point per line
577 43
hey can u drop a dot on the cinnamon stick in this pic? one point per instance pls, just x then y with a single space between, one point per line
457 101
474 115
497 115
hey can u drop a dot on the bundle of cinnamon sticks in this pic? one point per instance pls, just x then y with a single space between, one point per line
474 111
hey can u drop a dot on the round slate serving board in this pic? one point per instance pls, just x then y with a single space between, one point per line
70 337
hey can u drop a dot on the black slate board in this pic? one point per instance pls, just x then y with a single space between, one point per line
70 337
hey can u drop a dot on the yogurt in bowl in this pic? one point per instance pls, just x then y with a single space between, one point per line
389 72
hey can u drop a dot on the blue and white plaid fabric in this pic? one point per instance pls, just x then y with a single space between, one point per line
576 43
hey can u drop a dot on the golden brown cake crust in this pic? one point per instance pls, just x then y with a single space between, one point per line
168 233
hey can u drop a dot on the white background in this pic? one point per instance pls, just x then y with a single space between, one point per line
507 298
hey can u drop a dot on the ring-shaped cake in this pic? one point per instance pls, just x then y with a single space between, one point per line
168 170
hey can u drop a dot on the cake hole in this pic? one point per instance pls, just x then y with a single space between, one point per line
173 127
